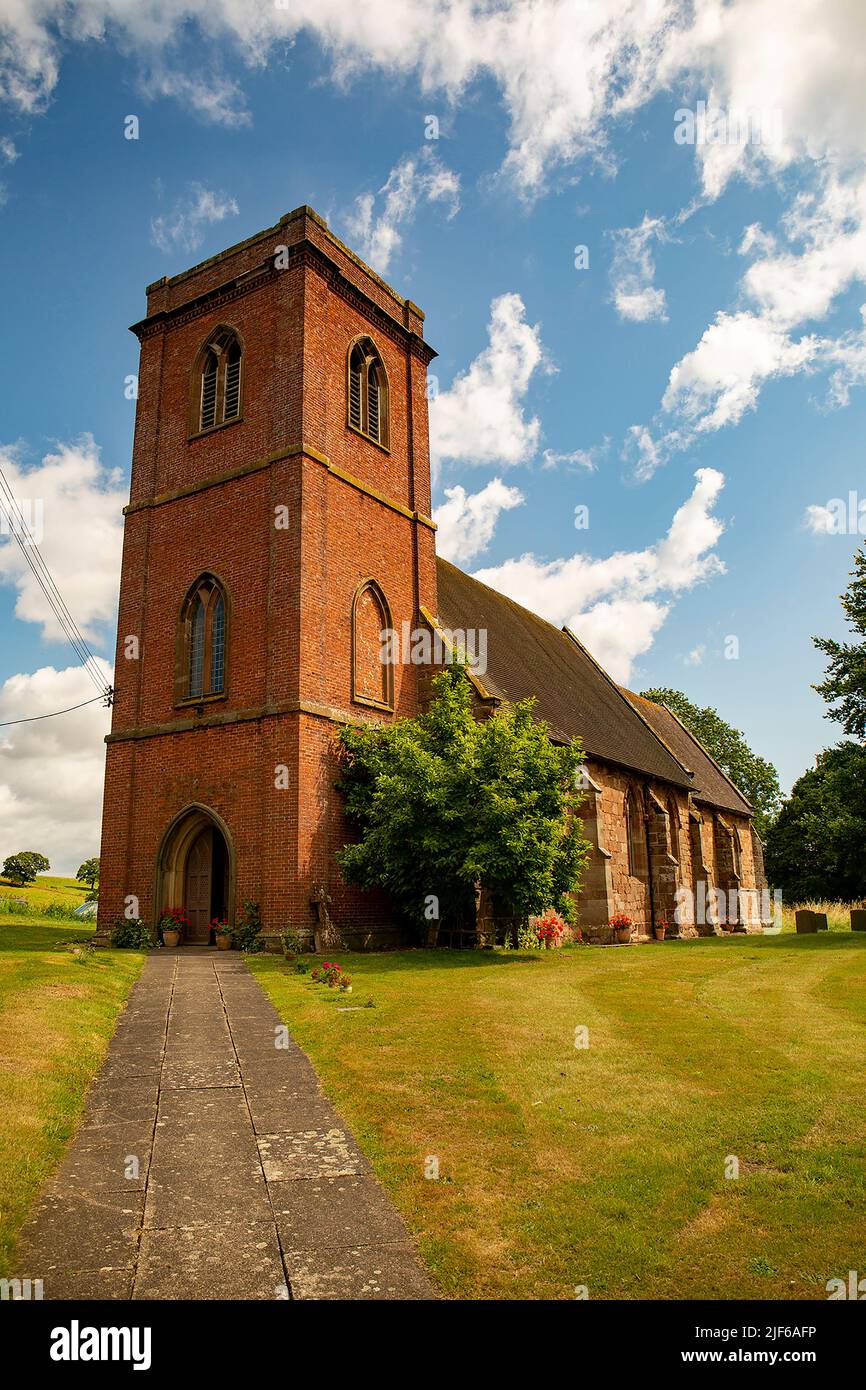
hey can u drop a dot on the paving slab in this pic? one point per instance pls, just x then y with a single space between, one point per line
247 1183
368 1272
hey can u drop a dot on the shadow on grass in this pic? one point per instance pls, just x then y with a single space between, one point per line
786 941
25 934
424 958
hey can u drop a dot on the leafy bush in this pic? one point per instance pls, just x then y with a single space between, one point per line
248 932
133 934
445 803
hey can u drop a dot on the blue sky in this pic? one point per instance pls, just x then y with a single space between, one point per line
546 372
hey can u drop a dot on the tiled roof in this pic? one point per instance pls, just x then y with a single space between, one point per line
528 656
709 784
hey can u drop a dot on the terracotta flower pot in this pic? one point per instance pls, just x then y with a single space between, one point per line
623 935
171 938
224 941
659 933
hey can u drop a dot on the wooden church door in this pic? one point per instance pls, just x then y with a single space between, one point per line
199 872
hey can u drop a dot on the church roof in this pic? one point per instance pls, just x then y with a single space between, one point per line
709 783
527 656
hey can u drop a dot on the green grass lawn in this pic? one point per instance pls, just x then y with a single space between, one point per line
605 1166
56 1017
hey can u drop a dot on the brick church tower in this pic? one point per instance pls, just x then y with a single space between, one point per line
278 520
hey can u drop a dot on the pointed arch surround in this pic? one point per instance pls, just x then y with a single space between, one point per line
217 382
368 396
372 676
173 879
202 646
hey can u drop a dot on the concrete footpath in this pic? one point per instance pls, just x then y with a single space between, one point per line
210 1165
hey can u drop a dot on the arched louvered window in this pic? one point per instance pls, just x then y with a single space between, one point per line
372 667
368 397
202 646
218 382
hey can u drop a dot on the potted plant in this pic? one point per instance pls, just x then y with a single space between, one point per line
290 943
223 933
550 929
171 926
622 926
331 973
345 983
659 929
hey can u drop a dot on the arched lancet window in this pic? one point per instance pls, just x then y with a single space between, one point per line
736 852
633 833
217 381
372 667
367 395
674 827
202 647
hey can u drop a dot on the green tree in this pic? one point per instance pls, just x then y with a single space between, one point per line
844 686
816 849
89 872
756 778
23 867
445 802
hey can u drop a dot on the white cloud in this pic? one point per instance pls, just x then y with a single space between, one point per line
8 152
578 458
632 271
467 522
821 520
422 179
80 503
481 417
183 228
617 605
720 379
216 99
51 771
565 71
784 289
696 656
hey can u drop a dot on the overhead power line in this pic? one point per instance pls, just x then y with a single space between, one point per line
30 550
106 698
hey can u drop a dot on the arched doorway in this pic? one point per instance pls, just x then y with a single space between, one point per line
195 870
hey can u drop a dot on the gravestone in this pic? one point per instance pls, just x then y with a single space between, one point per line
858 919
809 921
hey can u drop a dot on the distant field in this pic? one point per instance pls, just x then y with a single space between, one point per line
46 890
57 1013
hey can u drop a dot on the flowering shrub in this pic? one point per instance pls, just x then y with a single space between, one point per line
328 973
220 926
550 929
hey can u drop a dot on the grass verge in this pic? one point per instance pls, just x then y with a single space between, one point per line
57 1014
